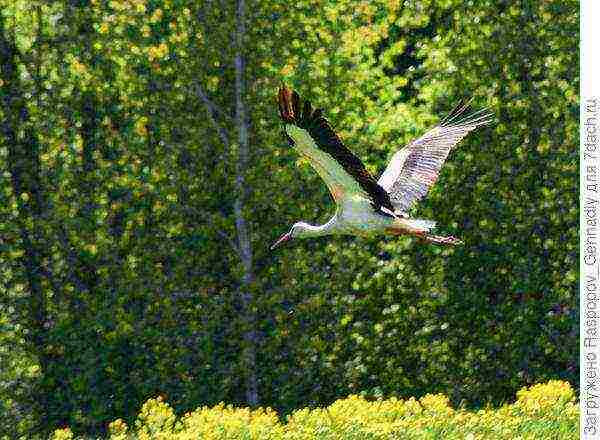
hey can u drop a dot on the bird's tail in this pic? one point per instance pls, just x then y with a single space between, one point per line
418 224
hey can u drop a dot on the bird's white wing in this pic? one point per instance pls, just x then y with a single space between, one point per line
310 133
414 169
391 173
336 178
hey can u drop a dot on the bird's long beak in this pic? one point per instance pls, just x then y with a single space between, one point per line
285 237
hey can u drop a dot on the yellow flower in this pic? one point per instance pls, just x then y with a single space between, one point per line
541 396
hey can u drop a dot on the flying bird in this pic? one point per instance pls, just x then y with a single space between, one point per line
365 206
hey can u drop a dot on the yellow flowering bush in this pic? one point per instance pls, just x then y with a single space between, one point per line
547 395
542 411
62 434
156 420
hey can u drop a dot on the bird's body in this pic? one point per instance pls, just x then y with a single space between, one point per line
366 207
355 216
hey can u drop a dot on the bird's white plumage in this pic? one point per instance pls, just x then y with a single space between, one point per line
391 173
414 169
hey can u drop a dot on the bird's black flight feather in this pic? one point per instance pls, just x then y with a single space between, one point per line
293 112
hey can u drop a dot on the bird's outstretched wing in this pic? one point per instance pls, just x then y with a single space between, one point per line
415 168
310 133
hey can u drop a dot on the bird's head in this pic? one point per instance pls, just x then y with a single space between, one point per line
298 230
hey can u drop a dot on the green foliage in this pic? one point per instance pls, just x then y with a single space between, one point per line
511 193
121 275
542 411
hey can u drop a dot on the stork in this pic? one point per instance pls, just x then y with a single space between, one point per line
364 206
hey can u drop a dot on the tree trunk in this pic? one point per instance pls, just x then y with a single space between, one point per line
243 232
88 186
25 170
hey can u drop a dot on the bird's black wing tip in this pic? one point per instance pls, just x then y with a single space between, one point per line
461 108
462 114
285 100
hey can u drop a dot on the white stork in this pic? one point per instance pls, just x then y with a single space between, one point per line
367 207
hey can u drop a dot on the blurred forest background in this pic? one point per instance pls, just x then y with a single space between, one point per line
143 175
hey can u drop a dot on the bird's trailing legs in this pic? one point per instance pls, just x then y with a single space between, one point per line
424 236
438 239
443 240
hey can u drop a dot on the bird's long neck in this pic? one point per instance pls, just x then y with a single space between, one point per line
320 230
